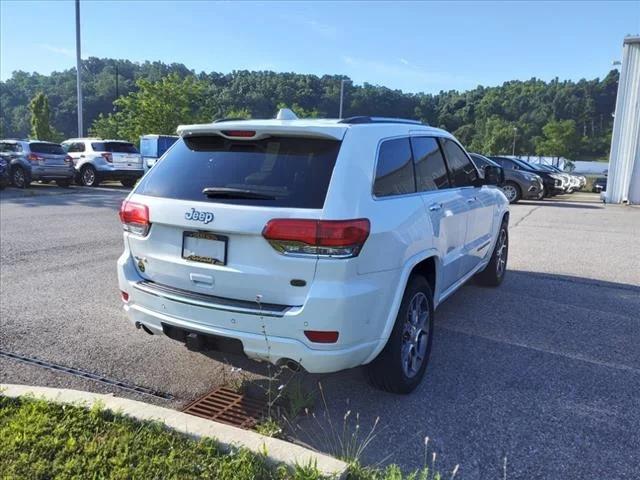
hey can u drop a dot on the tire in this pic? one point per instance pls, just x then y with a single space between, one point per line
496 269
393 370
89 176
512 192
63 183
128 182
19 177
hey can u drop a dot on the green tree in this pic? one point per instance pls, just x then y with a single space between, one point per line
39 108
156 107
559 139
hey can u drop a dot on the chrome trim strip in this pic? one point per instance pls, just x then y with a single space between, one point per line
211 301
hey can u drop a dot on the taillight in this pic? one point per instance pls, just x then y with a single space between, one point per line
125 296
34 158
135 218
68 160
335 238
321 337
108 157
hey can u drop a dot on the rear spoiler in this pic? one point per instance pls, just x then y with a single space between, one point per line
247 130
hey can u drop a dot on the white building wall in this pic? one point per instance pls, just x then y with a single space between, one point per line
623 183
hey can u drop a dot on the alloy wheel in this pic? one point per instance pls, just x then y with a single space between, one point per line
501 253
510 192
415 335
88 176
19 179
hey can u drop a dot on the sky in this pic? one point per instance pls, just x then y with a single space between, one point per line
412 46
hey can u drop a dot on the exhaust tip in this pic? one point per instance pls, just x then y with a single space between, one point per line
143 327
290 364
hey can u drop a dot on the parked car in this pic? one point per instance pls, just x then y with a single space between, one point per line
96 160
599 185
517 184
321 244
29 160
5 180
552 182
576 182
152 147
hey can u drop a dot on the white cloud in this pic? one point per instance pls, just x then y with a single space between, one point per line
402 71
322 29
67 52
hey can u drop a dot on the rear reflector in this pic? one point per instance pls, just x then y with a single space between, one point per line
124 295
336 238
135 218
321 337
239 133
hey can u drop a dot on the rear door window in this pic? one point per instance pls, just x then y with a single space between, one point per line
46 148
463 172
275 171
75 147
431 171
394 170
114 147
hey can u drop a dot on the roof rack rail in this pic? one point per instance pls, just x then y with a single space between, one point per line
228 119
367 119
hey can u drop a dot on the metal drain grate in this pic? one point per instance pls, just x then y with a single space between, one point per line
226 406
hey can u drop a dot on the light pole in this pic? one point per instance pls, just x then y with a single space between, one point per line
342 82
78 60
513 150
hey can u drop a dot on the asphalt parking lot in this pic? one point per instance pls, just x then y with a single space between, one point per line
543 371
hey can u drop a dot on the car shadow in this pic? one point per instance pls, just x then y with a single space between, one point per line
544 364
563 204
108 196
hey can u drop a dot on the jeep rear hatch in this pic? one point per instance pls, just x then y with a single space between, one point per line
208 203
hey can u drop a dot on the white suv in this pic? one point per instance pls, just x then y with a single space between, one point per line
325 244
96 160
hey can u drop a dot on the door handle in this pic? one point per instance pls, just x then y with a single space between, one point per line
81 156
472 199
434 207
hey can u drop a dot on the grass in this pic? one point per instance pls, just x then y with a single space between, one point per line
41 440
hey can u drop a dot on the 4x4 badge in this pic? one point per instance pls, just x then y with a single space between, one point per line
204 217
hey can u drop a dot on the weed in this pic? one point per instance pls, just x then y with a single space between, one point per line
269 427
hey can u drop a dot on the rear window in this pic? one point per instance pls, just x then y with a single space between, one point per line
276 171
114 147
51 148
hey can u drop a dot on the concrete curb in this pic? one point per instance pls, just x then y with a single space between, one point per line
278 451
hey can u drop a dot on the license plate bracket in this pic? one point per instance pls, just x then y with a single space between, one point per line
204 247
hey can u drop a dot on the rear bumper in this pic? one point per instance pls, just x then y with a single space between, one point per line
115 173
277 335
52 173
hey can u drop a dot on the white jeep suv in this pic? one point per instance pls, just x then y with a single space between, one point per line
325 244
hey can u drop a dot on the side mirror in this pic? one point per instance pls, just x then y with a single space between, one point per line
493 175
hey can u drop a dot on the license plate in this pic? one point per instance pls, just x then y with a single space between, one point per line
204 247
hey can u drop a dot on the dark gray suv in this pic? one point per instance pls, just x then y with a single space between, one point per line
518 185
29 160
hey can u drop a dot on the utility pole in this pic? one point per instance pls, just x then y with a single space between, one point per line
117 90
513 151
342 82
78 63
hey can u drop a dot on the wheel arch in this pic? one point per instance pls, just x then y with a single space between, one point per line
426 263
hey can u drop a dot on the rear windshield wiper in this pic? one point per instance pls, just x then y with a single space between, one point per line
222 192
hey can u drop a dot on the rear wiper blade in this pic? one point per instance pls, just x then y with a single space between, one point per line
221 192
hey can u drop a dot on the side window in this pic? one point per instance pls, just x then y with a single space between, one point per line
431 171
4 147
463 172
394 171
76 147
